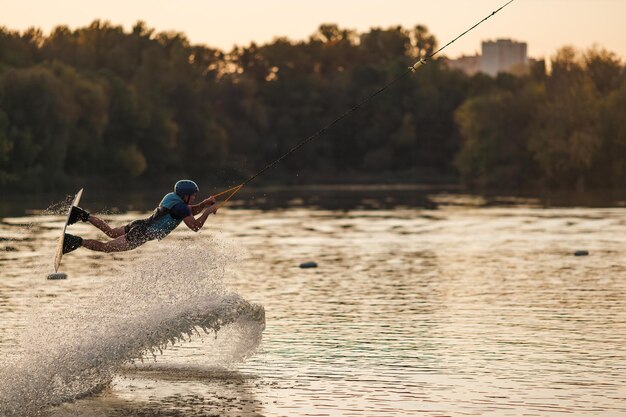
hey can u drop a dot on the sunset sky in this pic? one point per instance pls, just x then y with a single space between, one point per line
545 24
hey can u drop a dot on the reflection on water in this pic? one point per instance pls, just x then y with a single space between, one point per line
171 391
332 197
463 310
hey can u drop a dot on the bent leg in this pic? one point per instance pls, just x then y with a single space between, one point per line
108 230
119 244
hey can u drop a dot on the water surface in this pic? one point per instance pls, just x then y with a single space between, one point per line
462 310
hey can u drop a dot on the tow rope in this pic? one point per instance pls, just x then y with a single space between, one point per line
234 190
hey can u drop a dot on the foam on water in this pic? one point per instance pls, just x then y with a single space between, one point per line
70 351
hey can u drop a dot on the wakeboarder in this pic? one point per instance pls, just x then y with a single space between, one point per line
174 208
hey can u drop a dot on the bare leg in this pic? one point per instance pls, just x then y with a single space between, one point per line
108 230
119 244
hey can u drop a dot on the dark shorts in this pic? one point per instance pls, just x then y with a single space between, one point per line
136 233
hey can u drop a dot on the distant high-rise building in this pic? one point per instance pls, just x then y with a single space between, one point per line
503 55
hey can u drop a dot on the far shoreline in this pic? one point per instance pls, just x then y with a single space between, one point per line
334 197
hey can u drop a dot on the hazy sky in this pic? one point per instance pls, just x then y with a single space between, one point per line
545 24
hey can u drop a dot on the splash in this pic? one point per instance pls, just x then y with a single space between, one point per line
73 351
58 208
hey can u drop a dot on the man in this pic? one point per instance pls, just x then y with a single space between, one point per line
174 208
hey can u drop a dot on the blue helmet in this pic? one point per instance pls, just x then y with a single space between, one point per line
186 187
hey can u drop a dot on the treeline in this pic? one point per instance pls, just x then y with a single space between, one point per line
562 130
100 102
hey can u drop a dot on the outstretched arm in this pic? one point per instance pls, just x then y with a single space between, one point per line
196 209
196 224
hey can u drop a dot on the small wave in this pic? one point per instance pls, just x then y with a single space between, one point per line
184 372
74 351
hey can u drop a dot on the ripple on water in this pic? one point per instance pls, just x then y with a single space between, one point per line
460 311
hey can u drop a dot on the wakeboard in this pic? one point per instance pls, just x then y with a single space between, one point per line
59 254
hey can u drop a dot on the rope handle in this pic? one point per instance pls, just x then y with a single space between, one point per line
234 190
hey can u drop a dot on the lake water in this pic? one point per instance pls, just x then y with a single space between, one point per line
456 310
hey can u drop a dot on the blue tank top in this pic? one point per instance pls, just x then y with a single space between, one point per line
162 223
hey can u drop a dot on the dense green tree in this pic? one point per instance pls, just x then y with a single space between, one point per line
610 161
495 129
6 148
40 119
102 102
568 137
424 43
604 69
19 50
